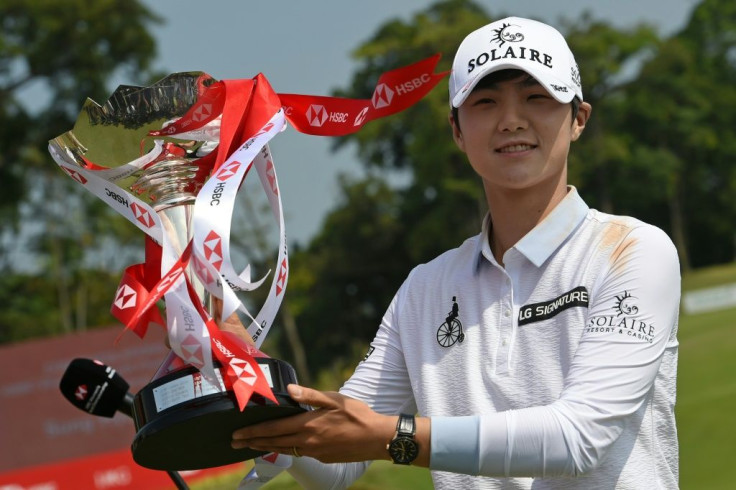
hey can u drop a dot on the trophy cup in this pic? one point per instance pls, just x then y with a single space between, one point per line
208 386
170 158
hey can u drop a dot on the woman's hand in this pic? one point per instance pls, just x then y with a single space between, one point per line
339 429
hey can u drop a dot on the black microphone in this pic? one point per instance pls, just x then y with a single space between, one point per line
96 388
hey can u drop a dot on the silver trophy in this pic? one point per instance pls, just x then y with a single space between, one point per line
191 428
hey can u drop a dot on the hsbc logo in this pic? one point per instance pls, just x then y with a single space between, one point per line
142 215
126 297
75 175
202 112
202 271
244 371
382 96
271 175
213 249
317 115
81 392
281 279
192 348
228 171
265 129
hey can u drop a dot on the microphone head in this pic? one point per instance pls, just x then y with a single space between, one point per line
93 387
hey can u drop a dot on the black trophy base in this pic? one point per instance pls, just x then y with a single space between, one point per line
180 428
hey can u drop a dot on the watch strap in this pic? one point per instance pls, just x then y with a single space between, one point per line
406 426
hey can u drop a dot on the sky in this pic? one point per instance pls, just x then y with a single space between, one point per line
305 47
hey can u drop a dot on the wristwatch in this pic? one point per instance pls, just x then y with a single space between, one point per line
403 448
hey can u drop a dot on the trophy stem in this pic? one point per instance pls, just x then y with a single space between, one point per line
176 222
169 183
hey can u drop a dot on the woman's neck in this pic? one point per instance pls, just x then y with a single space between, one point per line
514 213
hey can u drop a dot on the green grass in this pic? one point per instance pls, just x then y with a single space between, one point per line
706 389
706 405
382 475
709 277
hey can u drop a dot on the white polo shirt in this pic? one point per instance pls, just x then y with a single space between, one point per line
564 375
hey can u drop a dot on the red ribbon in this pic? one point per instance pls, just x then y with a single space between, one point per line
243 375
208 106
395 91
137 279
246 106
135 306
134 291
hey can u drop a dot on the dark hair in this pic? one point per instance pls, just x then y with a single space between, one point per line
505 76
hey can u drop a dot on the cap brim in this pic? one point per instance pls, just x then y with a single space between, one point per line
543 78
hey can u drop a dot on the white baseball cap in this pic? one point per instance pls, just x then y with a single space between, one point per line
520 44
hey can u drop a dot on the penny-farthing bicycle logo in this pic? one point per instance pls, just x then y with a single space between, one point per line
451 331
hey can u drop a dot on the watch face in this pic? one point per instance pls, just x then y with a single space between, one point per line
403 450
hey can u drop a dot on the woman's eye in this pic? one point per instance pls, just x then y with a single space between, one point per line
484 100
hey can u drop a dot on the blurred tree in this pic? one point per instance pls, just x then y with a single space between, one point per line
420 197
341 284
66 50
53 55
607 58
29 304
681 117
442 199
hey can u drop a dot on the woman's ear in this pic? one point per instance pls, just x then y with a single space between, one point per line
457 135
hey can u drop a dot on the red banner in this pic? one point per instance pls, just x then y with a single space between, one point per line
109 471
395 91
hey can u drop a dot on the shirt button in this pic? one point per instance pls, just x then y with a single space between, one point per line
505 342
506 313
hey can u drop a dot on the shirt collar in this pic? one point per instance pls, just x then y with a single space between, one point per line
482 245
541 242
